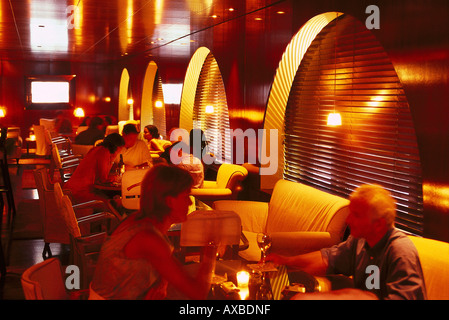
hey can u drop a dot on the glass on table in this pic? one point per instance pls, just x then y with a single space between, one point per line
264 243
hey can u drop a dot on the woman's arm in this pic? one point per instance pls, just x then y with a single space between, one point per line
104 165
151 247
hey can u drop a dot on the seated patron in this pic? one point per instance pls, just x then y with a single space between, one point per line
374 244
92 134
136 153
136 260
63 125
155 143
94 168
180 156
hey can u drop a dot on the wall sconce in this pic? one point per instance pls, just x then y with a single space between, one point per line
334 119
158 104
209 109
2 112
79 113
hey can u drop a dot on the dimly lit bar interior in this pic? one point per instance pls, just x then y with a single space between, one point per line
224 150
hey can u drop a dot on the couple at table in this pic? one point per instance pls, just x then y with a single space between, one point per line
98 162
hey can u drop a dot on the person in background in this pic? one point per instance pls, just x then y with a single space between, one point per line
85 122
92 134
180 156
63 124
155 143
136 260
136 153
94 168
373 243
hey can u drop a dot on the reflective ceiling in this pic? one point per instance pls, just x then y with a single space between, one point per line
102 30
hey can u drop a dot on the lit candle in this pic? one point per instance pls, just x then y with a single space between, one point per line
242 279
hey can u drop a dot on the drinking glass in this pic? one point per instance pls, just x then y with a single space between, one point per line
264 243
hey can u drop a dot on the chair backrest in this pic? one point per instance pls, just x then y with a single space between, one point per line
53 225
56 157
433 255
111 129
296 207
80 149
42 145
44 281
69 217
131 181
65 207
230 176
49 124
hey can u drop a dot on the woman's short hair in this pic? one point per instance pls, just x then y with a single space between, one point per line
161 181
112 142
380 201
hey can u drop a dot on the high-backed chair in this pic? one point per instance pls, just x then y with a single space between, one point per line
52 222
433 255
227 186
15 146
84 245
43 147
45 281
131 181
80 149
66 166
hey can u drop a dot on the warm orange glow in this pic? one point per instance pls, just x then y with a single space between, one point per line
2 112
334 119
130 101
242 278
32 137
158 104
78 112
107 99
209 109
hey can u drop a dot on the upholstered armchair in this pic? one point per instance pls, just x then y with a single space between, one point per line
299 219
45 281
227 186
433 255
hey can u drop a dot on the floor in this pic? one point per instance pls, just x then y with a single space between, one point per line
21 253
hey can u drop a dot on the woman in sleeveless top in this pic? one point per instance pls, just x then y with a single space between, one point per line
136 260
94 168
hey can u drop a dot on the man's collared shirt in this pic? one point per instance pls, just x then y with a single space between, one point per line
395 256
